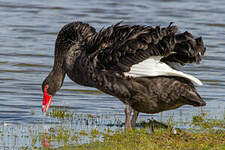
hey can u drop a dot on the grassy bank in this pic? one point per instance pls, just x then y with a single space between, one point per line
161 139
202 133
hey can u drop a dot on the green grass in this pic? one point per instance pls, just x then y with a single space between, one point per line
161 139
203 134
203 123
60 114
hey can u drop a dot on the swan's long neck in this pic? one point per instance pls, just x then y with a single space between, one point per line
57 74
56 78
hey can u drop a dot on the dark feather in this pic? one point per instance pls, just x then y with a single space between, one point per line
129 45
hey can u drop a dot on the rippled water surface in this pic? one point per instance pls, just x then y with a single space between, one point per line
27 37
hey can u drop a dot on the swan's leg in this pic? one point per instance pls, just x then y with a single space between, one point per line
128 118
134 118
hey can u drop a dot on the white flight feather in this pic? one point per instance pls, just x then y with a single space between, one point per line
153 67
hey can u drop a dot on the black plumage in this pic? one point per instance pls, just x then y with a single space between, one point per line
101 59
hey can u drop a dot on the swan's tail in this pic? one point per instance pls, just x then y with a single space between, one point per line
193 98
186 50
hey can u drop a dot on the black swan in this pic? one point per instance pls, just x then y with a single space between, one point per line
137 64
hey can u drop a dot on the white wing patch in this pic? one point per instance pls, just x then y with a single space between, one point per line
153 67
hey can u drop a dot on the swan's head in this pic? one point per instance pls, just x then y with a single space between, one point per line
49 87
47 99
69 45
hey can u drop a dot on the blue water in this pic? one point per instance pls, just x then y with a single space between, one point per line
28 31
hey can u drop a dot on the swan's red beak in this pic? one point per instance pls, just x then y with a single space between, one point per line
47 100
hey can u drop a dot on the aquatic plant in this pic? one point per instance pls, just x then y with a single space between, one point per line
59 113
